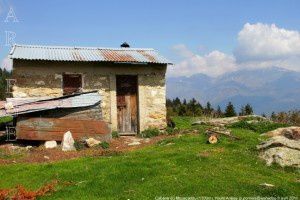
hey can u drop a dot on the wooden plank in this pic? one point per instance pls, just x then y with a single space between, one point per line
128 114
54 129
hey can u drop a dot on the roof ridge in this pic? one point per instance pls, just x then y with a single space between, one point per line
81 47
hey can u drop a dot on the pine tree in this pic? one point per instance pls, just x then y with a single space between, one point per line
176 102
243 111
4 74
219 112
248 109
182 111
230 110
208 109
273 116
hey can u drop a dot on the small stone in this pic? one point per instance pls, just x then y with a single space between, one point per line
28 148
147 140
50 144
46 157
134 143
91 142
267 185
68 142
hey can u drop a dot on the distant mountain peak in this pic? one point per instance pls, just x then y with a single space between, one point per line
264 88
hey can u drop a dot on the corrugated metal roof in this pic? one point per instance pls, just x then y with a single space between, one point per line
22 106
65 53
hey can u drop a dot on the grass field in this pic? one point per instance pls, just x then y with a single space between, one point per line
182 166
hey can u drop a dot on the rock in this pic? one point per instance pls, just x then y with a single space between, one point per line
147 140
8 106
91 142
282 155
134 143
229 120
280 141
19 94
46 157
267 185
50 144
281 150
292 132
68 142
28 148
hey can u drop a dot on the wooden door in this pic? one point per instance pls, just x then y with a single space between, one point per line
127 104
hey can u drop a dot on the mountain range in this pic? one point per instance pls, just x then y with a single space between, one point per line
267 90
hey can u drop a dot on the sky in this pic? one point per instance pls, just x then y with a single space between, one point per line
200 36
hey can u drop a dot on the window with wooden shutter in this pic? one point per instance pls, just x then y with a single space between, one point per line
72 83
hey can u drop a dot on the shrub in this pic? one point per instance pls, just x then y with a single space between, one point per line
104 145
78 145
115 134
150 132
5 119
171 131
260 127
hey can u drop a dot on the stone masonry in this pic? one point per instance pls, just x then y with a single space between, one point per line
44 79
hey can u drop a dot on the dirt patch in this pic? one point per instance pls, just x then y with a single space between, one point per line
13 154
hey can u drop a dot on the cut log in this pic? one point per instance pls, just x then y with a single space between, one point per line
212 139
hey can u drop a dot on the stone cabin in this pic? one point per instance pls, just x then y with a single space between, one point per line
130 81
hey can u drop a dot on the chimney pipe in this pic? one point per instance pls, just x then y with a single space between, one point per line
125 45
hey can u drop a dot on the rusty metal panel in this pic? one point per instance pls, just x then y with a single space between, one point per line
91 54
54 129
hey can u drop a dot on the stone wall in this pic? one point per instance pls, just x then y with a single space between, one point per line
152 97
44 79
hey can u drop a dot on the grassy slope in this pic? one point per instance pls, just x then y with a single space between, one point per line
189 167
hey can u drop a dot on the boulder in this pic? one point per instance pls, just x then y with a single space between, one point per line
280 141
292 132
230 120
91 142
68 142
281 150
282 155
50 144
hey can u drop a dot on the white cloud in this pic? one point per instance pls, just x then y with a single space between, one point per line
261 42
259 46
215 63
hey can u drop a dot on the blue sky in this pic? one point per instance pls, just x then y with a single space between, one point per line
198 27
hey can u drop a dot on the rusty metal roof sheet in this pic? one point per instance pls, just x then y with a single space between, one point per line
65 53
22 106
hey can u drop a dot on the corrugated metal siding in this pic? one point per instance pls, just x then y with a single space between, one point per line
62 53
71 101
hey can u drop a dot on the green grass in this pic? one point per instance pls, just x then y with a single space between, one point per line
183 122
259 127
184 166
5 119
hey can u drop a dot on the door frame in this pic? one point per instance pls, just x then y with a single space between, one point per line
137 104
